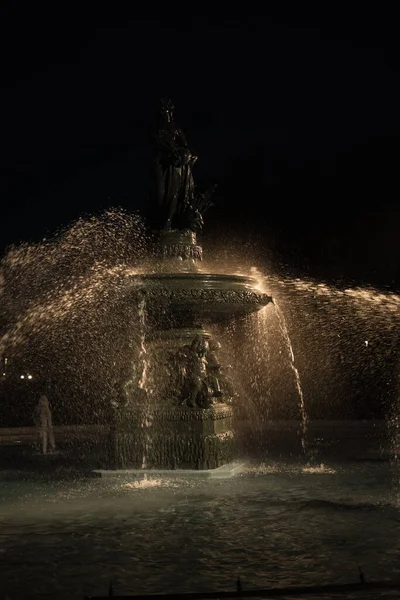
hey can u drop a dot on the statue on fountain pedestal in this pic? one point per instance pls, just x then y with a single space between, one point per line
179 204
196 375
190 367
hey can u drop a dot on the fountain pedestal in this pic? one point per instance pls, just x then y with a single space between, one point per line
174 438
176 412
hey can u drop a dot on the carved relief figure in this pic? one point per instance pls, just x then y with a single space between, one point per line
197 378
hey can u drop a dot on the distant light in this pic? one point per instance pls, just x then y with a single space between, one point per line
22 376
29 376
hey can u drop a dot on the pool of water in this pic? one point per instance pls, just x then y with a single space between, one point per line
274 525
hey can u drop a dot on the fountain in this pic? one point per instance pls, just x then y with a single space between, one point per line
175 410
136 335
133 349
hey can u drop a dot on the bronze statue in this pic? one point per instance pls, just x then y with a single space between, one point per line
188 373
195 391
214 368
197 376
180 205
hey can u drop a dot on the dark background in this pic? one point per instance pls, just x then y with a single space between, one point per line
294 112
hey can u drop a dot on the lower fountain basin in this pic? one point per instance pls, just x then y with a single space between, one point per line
205 296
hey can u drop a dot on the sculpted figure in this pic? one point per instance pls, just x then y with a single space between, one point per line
179 204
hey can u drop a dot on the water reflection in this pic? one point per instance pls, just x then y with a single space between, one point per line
274 525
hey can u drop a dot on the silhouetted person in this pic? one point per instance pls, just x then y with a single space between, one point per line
43 420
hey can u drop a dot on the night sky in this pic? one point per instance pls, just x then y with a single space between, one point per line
294 114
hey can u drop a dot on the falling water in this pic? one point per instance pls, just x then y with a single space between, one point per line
143 382
64 313
302 408
63 310
142 357
259 325
352 342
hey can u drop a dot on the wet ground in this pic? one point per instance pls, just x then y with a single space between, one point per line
277 524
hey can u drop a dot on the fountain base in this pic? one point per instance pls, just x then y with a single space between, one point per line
171 438
225 472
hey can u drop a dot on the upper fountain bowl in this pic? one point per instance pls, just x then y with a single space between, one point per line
199 297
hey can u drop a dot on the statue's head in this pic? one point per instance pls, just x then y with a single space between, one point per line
200 345
214 346
167 108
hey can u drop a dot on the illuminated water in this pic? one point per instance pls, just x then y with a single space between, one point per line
275 525
302 406
66 313
334 356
